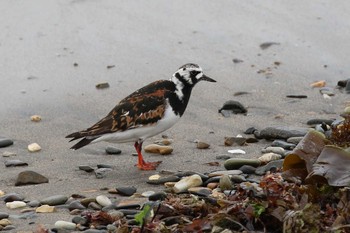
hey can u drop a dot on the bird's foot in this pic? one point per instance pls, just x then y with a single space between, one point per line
148 166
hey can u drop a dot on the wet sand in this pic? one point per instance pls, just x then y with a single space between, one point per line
146 41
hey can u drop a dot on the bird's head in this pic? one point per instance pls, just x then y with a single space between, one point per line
190 74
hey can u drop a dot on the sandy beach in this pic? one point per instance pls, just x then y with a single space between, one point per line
53 53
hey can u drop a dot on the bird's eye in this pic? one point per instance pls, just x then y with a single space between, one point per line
194 73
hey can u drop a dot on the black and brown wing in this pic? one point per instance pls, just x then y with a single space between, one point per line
143 107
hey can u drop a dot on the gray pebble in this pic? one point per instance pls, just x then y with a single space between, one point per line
34 203
274 149
247 169
271 165
223 157
3 215
94 206
86 168
238 178
232 106
316 121
115 214
102 172
126 191
104 166
12 197
76 205
30 177
158 196
163 180
112 150
15 163
79 220
95 231
9 228
294 140
4 142
54 200
282 132
283 144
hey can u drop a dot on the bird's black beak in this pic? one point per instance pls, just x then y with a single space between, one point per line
206 78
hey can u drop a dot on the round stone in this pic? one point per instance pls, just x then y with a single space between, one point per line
112 150
126 191
158 196
103 200
65 225
3 215
235 163
79 220
45 209
30 177
35 118
34 147
15 204
202 145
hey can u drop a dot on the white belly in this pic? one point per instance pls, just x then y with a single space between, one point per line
144 132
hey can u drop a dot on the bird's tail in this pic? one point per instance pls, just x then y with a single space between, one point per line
83 142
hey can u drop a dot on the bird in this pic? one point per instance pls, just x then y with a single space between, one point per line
145 113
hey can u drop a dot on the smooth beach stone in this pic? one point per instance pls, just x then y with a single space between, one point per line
158 149
238 178
232 106
94 231
236 163
94 206
35 118
15 163
8 228
15 204
247 169
103 200
12 197
200 191
79 220
294 140
238 141
30 177
115 214
274 149
45 209
225 183
266 158
65 225
202 145
8 154
102 172
158 196
34 147
148 193
76 205
5 222
283 144
86 168
282 132
317 121
86 201
3 215
237 151
271 165
223 157
188 182
190 173
158 179
5 142
126 191
224 172
54 200
112 150
34 203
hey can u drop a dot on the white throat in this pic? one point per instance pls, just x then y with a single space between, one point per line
178 87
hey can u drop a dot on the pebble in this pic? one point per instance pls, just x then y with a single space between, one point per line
102 172
224 172
270 166
283 144
5 222
9 228
165 141
294 140
8 154
34 203
15 163
113 151
212 185
202 145
238 141
250 130
282 132
247 169
103 200
3 215
200 191
102 85
12 197
94 206
65 225
147 193
187 182
126 191
158 149
45 209
35 118
223 157
236 163
87 201
158 196
30 177
157 179
54 200
15 204
266 158
232 106
238 178
86 168
4 142
237 151
104 166
274 149
225 183
34 147
321 83
326 91
316 121
79 220
342 83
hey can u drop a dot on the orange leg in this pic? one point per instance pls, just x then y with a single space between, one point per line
141 164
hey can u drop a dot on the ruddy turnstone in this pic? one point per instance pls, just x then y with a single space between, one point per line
145 113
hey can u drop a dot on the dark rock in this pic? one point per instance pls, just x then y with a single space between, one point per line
200 191
87 201
94 206
79 220
214 179
342 83
250 130
236 60
273 165
102 85
30 177
129 211
240 141
238 178
158 196
251 140
297 96
347 87
8 228
282 132
15 163
112 150
223 157
257 134
54 200
86 168
34 203
247 169
12 197
76 205
235 163
126 191
266 45
190 173
3 215
232 106
4 142
283 144
316 121
104 166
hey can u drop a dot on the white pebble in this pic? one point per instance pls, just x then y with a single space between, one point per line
65 225
147 193
236 151
103 200
35 118
265 158
187 182
15 204
34 147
